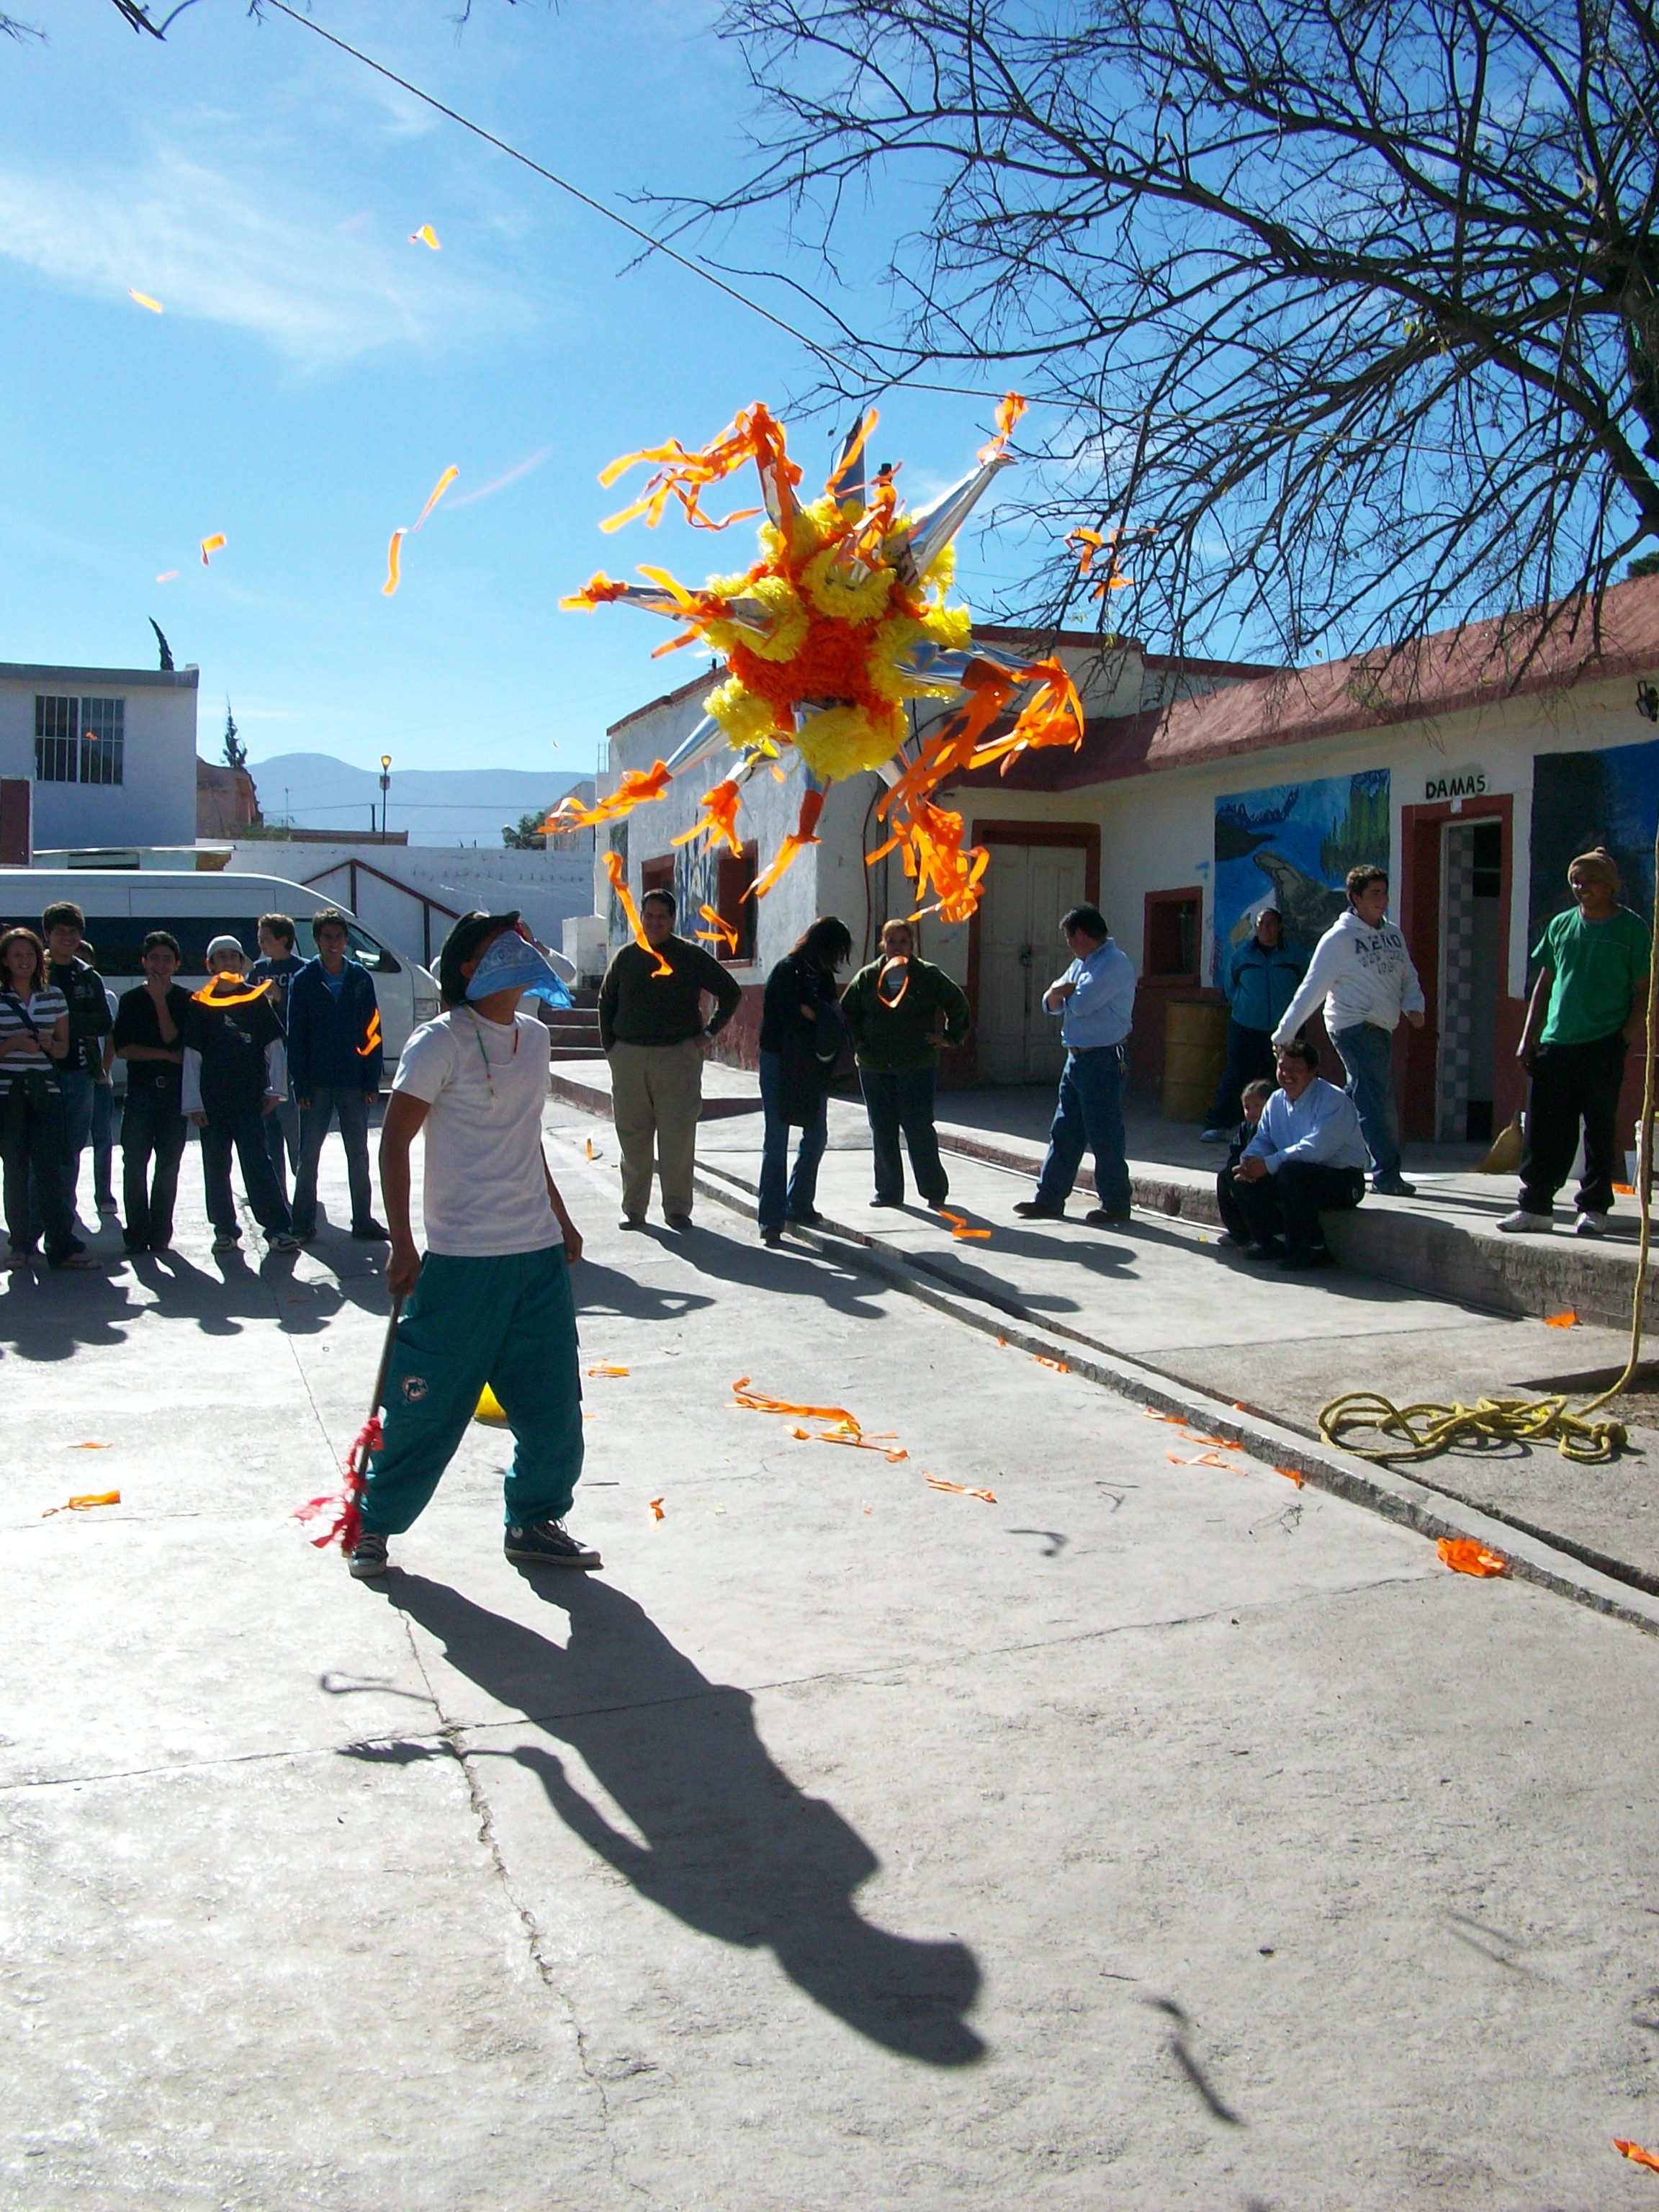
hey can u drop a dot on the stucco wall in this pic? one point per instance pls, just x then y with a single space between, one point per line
155 804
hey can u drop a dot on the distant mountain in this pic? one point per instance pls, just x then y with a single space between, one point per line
436 806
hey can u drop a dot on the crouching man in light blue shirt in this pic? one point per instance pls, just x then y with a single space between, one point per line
1095 998
1307 1156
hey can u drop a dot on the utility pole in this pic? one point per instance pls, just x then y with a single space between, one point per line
386 782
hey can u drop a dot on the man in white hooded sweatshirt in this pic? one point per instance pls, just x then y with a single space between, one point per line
1362 974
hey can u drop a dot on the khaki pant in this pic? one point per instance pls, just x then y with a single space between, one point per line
656 1092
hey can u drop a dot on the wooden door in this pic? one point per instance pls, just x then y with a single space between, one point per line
1029 887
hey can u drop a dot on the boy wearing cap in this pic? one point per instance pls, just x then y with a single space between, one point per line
226 1090
1262 977
490 1302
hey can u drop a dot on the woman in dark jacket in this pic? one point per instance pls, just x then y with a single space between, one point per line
802 1034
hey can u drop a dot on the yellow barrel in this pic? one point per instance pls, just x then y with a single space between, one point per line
1194 1052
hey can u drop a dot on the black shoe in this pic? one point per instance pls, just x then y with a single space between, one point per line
161 1243
366 1558
368 1232
1316 1255
549 1544
681 1222
303 1232
1261 1251
1098 1218
1034 1209
811 1219
771 1238
136 1243
887 1201
632 1221
1395 1187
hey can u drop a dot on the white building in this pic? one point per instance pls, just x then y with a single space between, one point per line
110 753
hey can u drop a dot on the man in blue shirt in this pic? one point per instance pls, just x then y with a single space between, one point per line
1308 1157
1095 1000
334 1071
1262 977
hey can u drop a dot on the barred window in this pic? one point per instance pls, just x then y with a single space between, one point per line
56 745
103 739
80 740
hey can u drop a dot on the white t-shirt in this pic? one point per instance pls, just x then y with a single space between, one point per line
486 1085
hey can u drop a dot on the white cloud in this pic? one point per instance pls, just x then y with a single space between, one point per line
216 247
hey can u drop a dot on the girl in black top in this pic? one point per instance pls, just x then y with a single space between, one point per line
803 1033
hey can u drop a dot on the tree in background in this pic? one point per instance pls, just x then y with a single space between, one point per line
235 750
528 836
1344 310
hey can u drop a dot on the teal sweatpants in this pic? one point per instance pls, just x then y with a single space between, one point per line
508 1323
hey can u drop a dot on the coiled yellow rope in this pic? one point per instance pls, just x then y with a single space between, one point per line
1427 1428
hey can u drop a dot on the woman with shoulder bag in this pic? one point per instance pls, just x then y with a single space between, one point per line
34 1041
803 1032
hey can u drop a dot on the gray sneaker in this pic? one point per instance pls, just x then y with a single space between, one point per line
1591 1225
366 1560
1522 1223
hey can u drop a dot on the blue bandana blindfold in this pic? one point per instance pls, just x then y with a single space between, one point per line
511 964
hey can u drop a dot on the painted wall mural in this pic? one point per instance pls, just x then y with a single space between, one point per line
1580 801
1297 841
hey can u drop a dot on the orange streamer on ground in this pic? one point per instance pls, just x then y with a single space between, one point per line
614 868
608 1367
756 1401
718 810
1010 408
1291 1475
217 543
1044 1360
394 554
1636 2154
89 1447
592 1154
1464 1556
656 1509
720 931
84 1504
1567 1320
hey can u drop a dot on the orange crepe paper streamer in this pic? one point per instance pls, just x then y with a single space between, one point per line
1624 1189
89 1447
85 1502
372 1036
1291 1475
938 1482
754 1401
1633 2151
1212 1441
613 868
656 1509
145 300
754 436
592 1154
1010 408
1002 1344
719 823
1174 1419
858 1443
897 997
860 440
425 236
217 543
637 786
1567 1320
958 1222
393 564
234 991
167 576
598 591
608 1367
796 842
1464 1556
1044 1360
720 931
1202 1459
438 491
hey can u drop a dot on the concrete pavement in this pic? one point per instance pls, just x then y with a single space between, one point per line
1160 1833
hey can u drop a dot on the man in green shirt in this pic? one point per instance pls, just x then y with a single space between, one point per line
651 1027
1589 1006
900 1010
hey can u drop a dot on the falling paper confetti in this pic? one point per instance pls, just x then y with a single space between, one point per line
1636 2154
489 1408
656 1509
217 543
83 1504
425 236
167 576
86 1447
393 562
1466 1557
438 491
145 300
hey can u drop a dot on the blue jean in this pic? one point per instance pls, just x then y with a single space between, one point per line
1088 1116
31 1151
511 1323
74 1088
325 1103
904 1101
1367 1053
152 1129
784 1196
241 1128
103 1145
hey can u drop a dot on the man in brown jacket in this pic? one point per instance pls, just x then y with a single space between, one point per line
654 1034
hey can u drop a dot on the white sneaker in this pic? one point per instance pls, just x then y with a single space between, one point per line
1522 1223
1591 1225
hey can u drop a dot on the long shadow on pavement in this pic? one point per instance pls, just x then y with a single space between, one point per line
734 1849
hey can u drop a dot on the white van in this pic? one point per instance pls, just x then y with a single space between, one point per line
122 905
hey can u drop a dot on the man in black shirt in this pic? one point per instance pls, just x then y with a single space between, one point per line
278 965
62 926
651 1027
150 1026
227 1092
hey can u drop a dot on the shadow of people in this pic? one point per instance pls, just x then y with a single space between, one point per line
734 1848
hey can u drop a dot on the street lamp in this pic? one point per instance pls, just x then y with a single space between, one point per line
385 780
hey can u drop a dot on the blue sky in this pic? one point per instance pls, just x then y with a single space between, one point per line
314 371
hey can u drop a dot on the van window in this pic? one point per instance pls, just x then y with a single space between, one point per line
377 958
